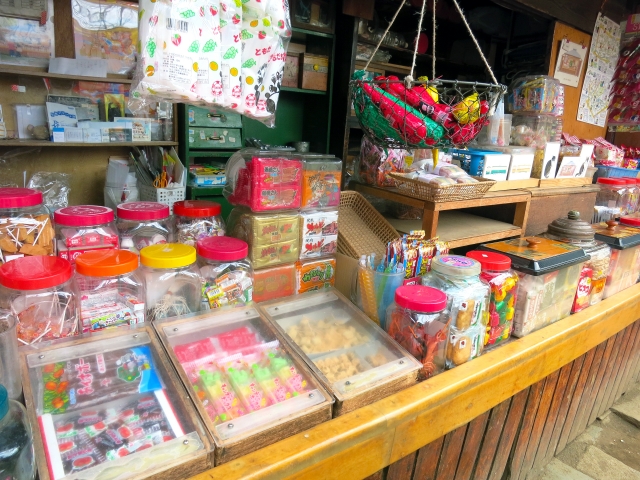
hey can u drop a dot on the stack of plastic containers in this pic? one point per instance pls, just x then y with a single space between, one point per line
287 212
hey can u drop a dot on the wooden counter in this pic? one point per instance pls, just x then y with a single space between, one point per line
412 427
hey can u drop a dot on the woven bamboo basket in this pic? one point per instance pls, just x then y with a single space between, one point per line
441 193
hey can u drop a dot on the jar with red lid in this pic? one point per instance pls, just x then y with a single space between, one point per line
26 228
41 294
418 320
624 240
226 270
631 196
503 281
612 194
197 219
84 228
112 291
141 224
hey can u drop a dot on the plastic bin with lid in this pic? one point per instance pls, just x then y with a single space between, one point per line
196 219
624 240
577 232
418 320
111 288
467 302
25 224
353 358
503 281
321 179
40 292
531 130
141 224
549 272
533 93
250 388
612 194
226 270
16 439
521 162
83 228
115 401
631 196
172 280
318 233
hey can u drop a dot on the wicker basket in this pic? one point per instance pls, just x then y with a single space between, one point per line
362 229
441 193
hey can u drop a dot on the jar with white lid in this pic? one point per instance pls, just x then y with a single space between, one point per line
226 270
84 228
141 224
172 280
419 321
41 294
25 224
197 219
111 288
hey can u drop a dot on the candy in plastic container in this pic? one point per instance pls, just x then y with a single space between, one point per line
197 219
141 224
83 228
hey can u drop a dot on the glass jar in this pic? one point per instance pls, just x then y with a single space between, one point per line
9 371
16 440
226 270
25 224
593 277
467 302
112 292
496 271
197 219
41 294
418 321
172 280
83 228
624 240
141 224
611 194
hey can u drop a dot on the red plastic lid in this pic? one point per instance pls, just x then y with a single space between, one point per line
106 263
83 216
143 211
222 248
630 181
491 260
196 208
612 181
11 197
421 298
631 221
35 273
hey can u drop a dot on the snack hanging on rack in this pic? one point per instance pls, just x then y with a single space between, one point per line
420 99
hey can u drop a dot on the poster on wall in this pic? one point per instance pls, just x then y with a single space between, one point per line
571 58
603 57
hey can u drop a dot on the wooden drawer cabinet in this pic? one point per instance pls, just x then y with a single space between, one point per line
219 138
212 117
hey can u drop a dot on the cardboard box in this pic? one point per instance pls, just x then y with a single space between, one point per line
92 135
73 135
481 163
60 116
291 74
141 127
314 71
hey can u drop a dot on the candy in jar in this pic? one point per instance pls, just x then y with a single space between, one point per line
83 228
196 219
40 293
141 224
496 271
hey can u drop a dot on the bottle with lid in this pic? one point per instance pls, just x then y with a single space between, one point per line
593 277
17 460
196 219
141 224
419 322
83 228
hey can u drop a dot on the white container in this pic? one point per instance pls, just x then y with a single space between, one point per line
29 115
521 161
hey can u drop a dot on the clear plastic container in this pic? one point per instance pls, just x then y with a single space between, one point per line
624 240
274 282
321 177
535 94
319 233
373 292
419 321
631 196
531 130
314 275
112 292
17 459
9 371
503 281
141 224
84 228
467 302
549 272
612 194
197 219
25 224
226 270
41 294
172 280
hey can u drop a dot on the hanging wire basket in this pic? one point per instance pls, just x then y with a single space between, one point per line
423 114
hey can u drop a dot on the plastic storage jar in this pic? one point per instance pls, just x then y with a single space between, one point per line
624 240
418 321
496 271
467 302
25 224
631 196
611 194
226 270
111 289
594 273
41 294
197 219
549 272
141 224
172 280
16 440
9 372
83 228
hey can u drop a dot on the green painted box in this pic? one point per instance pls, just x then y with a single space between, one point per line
220 138
212 117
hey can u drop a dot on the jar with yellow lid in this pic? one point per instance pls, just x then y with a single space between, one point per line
172 280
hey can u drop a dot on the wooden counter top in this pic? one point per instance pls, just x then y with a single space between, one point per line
362 442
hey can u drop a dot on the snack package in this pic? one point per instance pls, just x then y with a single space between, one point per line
262 228
315 274
321 183
319 232
257 43
375 163
274 282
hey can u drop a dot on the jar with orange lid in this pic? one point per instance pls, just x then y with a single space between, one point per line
112 292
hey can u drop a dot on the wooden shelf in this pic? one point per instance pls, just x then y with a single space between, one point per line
212 190
42 73
47 143
387 67
419 56
303 90
312 32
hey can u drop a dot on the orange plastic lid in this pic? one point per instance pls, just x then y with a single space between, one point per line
106 263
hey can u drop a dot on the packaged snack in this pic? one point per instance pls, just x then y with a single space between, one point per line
83 228
319 232
274 282
375 163
321 179
315 274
